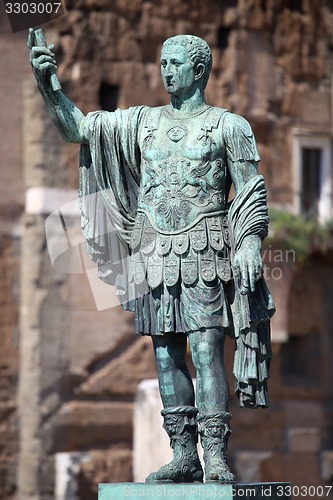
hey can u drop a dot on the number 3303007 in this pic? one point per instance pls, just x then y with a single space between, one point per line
32 8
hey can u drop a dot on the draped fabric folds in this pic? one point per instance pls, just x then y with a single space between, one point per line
252 312
108 187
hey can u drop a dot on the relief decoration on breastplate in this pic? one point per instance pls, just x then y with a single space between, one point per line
176 191
180 184
177 133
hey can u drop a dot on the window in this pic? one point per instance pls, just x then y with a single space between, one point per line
300 360
296 5
223 37
312 174
311 161
108 97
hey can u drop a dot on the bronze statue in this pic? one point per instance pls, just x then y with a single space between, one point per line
163 177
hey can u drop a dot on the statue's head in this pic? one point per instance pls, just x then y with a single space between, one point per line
192 50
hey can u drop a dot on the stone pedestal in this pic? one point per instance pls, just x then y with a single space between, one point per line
261 491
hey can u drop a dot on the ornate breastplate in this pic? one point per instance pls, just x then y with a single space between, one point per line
183 172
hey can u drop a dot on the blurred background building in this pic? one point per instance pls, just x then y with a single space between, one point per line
69 364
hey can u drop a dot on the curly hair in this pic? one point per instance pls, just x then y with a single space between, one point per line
198 51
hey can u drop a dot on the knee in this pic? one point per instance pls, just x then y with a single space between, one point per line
168 359
203 354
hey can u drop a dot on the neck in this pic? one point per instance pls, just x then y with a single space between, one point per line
188 102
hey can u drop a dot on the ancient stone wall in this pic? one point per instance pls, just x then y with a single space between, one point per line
12 62
79 367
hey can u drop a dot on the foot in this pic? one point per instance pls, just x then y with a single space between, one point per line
219 472
178 471
214 432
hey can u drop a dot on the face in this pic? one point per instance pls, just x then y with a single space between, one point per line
177 69
215 429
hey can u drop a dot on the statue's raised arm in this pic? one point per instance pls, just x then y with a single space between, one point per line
66 116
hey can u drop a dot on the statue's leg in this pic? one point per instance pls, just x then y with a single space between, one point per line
174 379
207 349
179 413
213 397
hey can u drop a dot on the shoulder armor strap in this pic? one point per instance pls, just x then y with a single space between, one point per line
213 118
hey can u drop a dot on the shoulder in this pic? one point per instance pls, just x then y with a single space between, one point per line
150 117
132 113
118 114
239 139
154 111
101 121
230 122
236 123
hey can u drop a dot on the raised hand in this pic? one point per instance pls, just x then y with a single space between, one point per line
66 116
42 59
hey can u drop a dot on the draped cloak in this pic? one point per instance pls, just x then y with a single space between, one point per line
109 185
109 177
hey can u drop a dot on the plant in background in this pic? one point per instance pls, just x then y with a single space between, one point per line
294 232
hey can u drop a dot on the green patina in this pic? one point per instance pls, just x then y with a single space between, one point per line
160 177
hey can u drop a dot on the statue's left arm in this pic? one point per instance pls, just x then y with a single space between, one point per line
243 159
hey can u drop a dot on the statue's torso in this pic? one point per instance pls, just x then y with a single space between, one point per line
183 169
182 200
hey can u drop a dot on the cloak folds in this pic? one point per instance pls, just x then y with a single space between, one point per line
108 190
251 312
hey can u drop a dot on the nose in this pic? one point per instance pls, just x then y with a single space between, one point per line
167 70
